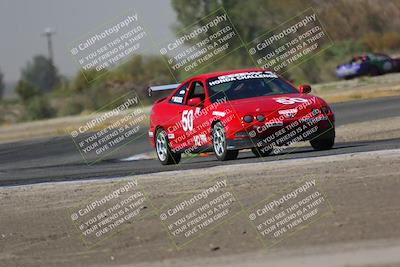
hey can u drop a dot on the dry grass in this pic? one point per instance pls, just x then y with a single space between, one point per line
357 94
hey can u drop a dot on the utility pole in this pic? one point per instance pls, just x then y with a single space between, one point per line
48 33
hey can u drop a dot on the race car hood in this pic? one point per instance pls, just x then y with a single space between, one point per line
270 104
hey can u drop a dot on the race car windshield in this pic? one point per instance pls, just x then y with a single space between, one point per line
241 87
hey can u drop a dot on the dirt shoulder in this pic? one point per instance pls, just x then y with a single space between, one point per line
37 230
369 130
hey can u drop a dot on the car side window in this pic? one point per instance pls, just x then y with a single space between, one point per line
179 95
196 90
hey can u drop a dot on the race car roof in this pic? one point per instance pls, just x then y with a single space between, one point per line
216 74
199 76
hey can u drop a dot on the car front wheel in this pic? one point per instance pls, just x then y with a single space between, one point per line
220 144
322 144
164 153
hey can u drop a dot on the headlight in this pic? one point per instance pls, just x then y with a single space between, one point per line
248 118
260 118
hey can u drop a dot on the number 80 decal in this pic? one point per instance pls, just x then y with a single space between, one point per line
291 100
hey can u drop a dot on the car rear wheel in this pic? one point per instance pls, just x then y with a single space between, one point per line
220 144
261 151
164 153
322 144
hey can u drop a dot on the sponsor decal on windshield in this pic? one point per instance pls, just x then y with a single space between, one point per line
243 76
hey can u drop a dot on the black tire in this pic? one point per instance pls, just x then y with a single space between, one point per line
164 153
261 151
220 144
322 144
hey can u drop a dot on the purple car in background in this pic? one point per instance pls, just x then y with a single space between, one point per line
371 64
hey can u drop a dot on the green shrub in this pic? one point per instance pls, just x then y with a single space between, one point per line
38 108
72 107
26 91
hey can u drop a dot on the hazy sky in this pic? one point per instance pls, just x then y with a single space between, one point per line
23 21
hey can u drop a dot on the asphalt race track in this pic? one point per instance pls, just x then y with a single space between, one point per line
56 159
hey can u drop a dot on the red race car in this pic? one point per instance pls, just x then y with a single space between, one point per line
229 111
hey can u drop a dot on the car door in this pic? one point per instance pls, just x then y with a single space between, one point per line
172 115
195 123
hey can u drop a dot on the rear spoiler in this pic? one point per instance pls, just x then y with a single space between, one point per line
162 88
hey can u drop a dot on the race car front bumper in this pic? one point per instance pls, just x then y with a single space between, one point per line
323 130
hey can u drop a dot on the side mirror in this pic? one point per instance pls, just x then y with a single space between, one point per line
305 88
194 102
